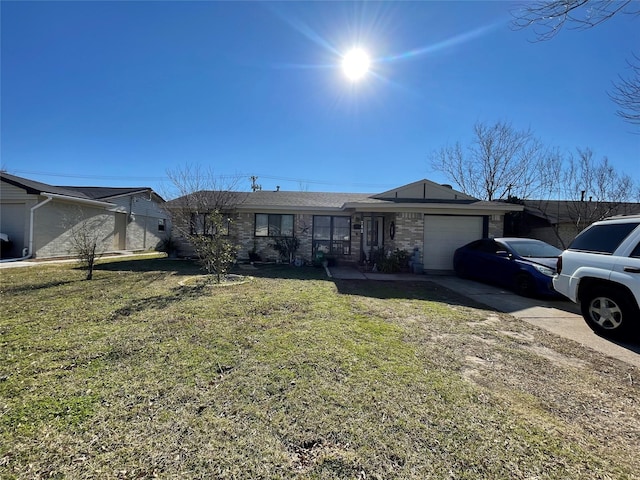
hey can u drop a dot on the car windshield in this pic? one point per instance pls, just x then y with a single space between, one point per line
533 249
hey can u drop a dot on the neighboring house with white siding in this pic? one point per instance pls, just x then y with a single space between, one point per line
38 218
349 228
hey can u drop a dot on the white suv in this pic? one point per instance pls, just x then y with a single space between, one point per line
601 271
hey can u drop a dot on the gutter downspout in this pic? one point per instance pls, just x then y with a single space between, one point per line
31 217
29 250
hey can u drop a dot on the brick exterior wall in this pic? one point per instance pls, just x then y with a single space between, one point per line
243 232
566 232
409 235
409 232
55 222
496 226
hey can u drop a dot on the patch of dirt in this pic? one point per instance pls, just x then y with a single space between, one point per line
490 320
314 452
556 357
521 336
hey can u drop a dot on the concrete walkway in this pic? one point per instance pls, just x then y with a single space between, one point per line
36 262
560 317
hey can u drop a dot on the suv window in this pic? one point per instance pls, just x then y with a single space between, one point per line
602 238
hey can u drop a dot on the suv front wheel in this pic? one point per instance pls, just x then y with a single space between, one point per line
609 312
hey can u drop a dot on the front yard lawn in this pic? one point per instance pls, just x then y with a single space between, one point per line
145 372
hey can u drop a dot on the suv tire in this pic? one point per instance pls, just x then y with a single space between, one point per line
609 312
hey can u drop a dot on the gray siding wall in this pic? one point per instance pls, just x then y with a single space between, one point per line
143 231
14 223
10 192
15 207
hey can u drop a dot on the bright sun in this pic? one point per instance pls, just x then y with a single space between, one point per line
355 64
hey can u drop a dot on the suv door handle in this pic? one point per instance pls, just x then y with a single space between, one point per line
632 269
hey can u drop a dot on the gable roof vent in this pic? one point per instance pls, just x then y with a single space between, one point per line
447 186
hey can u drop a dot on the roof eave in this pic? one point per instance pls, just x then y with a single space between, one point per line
84 201
430 207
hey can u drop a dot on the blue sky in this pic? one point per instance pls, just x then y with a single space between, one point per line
117 93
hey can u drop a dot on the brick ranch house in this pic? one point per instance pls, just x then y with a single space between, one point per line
424 217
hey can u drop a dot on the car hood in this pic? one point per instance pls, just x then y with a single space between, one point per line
550 262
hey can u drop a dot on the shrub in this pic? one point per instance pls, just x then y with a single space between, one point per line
393 262
286 247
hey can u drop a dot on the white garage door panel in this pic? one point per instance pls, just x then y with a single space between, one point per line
442 235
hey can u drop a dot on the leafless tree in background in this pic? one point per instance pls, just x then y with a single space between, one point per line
586 190
597 190
626 93
547 18
500 163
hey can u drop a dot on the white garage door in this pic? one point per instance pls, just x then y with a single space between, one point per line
443 234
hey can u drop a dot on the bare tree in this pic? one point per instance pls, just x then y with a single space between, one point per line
597 190
216 252
548 17
202 215
86 239
626 93
586 190
501 162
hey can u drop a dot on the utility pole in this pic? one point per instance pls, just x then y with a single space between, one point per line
254 185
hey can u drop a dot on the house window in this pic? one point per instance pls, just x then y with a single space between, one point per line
273 225
332 235
162 224
201 224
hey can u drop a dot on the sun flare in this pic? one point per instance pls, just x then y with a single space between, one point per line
355 64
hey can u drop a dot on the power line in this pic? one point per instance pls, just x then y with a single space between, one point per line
165 178
97 177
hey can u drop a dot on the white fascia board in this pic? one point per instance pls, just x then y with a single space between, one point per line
434 208
83 201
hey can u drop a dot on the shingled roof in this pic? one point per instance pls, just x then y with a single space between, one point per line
36 188
86 193
325 201
273 199
564 211
105 193
299 200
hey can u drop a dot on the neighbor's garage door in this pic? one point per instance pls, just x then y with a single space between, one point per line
443 234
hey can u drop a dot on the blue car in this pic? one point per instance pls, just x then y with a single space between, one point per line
525 265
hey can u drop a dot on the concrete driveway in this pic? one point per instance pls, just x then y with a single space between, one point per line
556 316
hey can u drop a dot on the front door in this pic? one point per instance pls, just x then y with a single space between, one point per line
373 238
120 231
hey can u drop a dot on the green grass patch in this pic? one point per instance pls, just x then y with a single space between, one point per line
139 374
